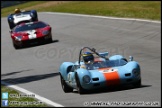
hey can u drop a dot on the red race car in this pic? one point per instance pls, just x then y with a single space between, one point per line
26 33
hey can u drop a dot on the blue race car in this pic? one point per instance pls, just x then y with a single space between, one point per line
94 70
25 16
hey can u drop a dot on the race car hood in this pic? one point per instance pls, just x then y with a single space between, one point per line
21 17
31 34
24 33
109 75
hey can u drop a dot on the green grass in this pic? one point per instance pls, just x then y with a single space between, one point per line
21 99
129 9
8 10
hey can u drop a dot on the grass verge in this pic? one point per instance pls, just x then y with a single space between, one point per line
129 9
18 99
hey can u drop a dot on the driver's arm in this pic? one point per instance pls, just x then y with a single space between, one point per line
83 66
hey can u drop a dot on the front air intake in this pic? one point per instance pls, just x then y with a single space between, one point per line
128 74
95 79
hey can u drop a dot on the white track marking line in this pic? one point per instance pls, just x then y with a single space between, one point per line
49 102
131 19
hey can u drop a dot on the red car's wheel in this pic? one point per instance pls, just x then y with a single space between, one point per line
16 46
49 40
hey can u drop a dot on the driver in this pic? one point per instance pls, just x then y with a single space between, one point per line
88 60
17 10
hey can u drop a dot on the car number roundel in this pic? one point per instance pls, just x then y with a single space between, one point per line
107 70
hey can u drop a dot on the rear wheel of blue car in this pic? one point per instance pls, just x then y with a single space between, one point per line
79 87
65 87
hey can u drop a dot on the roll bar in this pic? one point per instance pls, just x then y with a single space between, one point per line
92 50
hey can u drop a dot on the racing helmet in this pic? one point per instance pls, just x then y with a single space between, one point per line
17 10
88 57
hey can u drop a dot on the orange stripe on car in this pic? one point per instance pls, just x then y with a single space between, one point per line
111 76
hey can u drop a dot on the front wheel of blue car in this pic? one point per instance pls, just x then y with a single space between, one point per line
65 87
137 84
79 87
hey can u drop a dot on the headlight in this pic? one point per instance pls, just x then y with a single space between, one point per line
86 79
136 73
45 32
18 38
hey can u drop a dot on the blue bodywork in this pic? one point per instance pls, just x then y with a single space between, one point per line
95 76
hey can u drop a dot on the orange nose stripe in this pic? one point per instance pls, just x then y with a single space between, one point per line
112 77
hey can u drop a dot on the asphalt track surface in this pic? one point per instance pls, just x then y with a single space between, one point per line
35 68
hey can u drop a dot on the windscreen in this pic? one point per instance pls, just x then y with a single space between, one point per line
30 26
105 64
22 13
115 63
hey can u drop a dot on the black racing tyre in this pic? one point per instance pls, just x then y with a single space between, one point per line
11 25
34 19
137 84
34 15
15 46
79 87
50 40
10 22
65 87
18 46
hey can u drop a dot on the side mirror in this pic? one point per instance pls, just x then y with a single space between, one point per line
130 58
